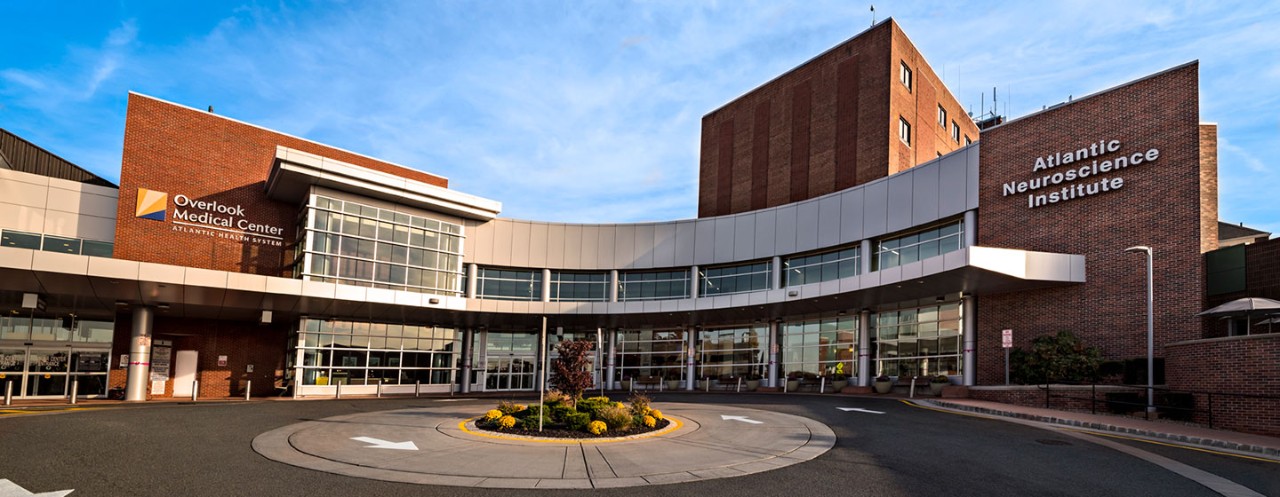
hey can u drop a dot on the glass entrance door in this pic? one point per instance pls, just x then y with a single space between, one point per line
36 372
508 373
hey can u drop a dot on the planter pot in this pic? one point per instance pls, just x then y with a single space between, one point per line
792 385
838 385
752 385
627 384
702 384
936 388
673 384
883 386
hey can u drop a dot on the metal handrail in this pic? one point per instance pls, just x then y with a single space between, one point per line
1093 397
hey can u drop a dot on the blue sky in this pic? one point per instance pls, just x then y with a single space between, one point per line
590 111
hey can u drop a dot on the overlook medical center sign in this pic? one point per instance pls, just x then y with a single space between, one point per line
1085 171
207 218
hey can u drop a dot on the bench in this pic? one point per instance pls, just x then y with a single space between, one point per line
648 382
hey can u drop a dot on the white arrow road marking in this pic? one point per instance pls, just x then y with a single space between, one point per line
859 409
11 489
385 444
740 418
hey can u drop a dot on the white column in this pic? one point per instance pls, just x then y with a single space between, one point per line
775 332
864 348
967 314
690 372
468 337
775 281
693 282
970 228
609 361
139 380
864 253
546 285
613 285
472 269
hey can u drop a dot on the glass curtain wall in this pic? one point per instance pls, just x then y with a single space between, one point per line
567 286
726 353
918 338
363 353
510 359
653 285
740 278
652 352
42 357
820 347
509 284
354 244
918 245
826 266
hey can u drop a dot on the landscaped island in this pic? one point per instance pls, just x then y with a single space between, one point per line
563 417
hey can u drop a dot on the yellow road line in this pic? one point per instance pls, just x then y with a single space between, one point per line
675 425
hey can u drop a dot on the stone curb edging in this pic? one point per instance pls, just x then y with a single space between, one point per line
1185 439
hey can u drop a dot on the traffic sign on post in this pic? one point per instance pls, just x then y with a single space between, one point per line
1007 339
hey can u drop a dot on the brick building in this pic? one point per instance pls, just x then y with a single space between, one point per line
852 223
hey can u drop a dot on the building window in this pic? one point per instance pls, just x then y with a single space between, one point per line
333 352
905 76
918 340
740 278
826 266
820 347
726 354
653 285
955 131
18 239
652 353
50 243
354 244
509 284
968 141
919 245
579 287
904 130
62 245
942 116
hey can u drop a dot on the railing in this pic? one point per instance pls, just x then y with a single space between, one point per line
1196 406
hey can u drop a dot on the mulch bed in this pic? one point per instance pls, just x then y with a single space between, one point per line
556 431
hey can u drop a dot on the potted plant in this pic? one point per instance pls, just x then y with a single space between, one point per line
793 380
753 381
839 381
704 383
627 383
883 384
937 382
673 384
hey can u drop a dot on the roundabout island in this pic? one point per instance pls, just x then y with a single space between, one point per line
441 446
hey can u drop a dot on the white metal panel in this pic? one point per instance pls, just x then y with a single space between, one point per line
206 278
479 242
520 246
851 215
538 234
912 270
502 242
686 236
664 245
723 240
184 372
705 243
606 248
924 194
643 246
806 226
829 220
972 191
21 218
24 194
786 223
899 201
875 206
739 300
160 273
766 231
934 265
573 246
744 240
555 245
952 185
624 247
243 281
101 229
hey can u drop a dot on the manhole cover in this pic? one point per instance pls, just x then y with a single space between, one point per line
1050 441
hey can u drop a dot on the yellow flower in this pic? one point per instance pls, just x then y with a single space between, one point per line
506 422
619 405
597 427
521 407
492 414
656 414
649 421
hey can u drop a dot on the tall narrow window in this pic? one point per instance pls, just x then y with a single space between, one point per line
942 116
904 130
905 76
955 131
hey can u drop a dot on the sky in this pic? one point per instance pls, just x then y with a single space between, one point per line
591 111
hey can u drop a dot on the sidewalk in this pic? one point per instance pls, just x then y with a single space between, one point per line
1169 431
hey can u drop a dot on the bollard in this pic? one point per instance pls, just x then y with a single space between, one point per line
8 393
417 388
378 388
195 390
337 391
75 389
822 385
706 384
739 389
913 387
248 387
784 386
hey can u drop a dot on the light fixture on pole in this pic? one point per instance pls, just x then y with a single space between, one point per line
1151 405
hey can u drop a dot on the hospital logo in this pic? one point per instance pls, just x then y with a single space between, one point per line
152 204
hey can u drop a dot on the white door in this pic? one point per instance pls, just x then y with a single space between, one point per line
184 372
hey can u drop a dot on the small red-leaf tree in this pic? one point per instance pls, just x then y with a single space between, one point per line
571 372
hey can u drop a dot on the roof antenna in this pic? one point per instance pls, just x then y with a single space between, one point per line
873 14
211 109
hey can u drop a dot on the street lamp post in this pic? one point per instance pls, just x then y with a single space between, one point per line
1151 406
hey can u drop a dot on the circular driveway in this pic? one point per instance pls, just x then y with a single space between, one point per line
432 446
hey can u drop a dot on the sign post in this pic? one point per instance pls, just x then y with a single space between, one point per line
1006 341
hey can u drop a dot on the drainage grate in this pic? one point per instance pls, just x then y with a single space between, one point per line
1050 441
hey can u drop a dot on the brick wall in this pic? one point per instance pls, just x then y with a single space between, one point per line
1248 365
179 150
263 346
1262 279
825 126
1208 187
1159 205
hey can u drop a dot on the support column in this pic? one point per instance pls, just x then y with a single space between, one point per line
865 255
613 285
690 370
775 273
864 348
140 354
970 228
546 285
967 314
472 269
774 334
468 337
693 282
610 359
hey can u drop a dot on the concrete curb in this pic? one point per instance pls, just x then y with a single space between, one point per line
1271 452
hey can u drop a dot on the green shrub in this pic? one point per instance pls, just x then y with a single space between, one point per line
618 418
1055 358
560 412
531 423
593 405
509 408
577 421
532 411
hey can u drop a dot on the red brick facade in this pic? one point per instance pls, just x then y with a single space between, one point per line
825 126
1244 365
179 150
1159 205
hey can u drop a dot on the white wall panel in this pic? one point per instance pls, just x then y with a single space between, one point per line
538 233
924 194
520 232
899 205
744 237
606 238
953 178
972 192
806 226
478 244
766 233
829 220
705 243
786 229
664 245
555 245
686 238
643 246
21 217
724 239
624 247
875 209
502 243
851 216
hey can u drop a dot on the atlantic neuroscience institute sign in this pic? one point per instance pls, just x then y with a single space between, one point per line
1089 170
207 218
